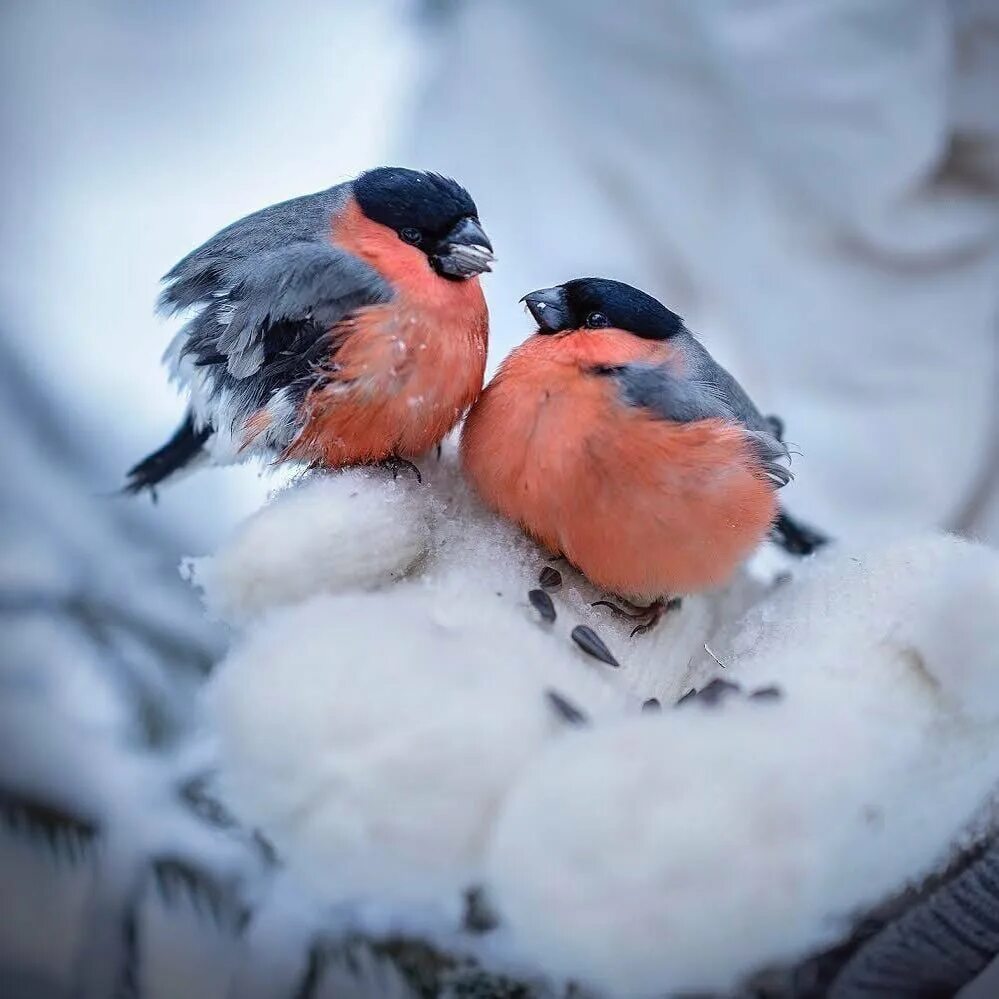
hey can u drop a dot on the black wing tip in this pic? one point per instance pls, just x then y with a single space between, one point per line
183 447
144 477
795 537
138 481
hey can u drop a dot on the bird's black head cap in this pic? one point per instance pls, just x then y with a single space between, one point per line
397 197
431 212
595 303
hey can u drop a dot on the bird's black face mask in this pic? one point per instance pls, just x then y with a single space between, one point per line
432 213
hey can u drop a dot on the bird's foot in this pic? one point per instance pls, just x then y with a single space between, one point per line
632 612
396 465
648 617
655 612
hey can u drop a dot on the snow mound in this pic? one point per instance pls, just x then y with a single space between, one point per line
359 529
372 736
356 529
686 850
387 720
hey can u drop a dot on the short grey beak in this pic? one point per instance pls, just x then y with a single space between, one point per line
466 250
548 306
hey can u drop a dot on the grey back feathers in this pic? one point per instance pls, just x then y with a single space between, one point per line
198 275
267 290
299 282
704 391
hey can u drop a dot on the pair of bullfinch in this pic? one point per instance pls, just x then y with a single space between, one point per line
349 327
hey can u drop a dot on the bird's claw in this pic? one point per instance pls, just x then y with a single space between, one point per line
397 465
632 614
648 617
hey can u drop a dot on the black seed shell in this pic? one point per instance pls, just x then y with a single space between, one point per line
565 709
542 603
593 645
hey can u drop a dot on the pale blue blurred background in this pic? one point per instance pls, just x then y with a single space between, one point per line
135 131
815 187
814 190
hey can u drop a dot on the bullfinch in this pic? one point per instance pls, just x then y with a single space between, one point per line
340 328
615 439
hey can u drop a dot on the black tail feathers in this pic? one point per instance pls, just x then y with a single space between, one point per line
181 450
795 537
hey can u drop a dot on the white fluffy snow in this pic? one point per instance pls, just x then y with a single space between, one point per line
687 850
360 529
353 530
397 745
371 738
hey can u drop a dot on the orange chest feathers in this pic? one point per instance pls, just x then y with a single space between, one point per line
642 506
405 371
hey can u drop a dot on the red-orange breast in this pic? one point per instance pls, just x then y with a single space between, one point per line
406 370
614 438
341 328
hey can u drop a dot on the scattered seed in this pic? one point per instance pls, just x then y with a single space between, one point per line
593 645
711 693
542 603
652 704
771 693
550 578
565 709
716 690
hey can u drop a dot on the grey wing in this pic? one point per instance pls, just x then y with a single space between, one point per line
314 284
262 334
705 391
203 271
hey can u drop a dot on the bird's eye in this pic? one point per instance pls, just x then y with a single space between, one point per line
411 235
597 320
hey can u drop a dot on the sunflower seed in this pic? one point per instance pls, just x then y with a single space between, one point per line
593 645
565 709
652 704
716 690
709 694
542 603
771 693
550 578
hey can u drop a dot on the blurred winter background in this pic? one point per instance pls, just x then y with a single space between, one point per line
814 187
